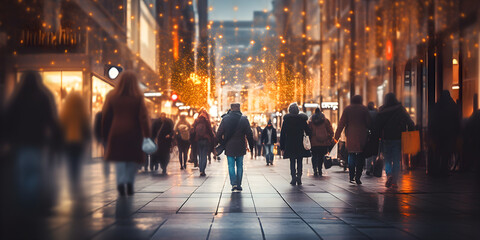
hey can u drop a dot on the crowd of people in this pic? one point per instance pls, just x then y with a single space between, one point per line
35 130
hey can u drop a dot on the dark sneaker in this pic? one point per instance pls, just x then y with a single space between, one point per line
181 168
239 188
234 187
130 191
358 181
368 173
389 182
315 174
121 190
299 181
203 174
293 182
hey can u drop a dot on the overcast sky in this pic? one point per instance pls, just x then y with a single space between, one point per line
225 9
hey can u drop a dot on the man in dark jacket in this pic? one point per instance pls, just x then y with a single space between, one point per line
291 141
162 132
356 121
269 138
232 132
391 121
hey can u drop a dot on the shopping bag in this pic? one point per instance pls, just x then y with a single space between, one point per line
306 142
148 146
378 166
333 154
411 142
327 162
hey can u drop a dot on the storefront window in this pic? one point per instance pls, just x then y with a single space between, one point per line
99 91
61 83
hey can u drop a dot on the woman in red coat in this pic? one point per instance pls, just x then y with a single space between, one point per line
124 125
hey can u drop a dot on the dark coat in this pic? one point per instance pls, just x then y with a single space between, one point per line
322 131
162 130
208 131
392 121
356 121
265 135
124 125
444 125
31 118
291 135
236 145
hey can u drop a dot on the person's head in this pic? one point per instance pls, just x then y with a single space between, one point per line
391 100
128 85
183 117
163 115
445 95
357 99
269 124
317 110
235 107
371 106
293 108
254 124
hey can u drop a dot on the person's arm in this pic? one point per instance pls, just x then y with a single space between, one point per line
144 122
220 132
249 134
341 125
274 136
107 117
283 135
307 129
329 129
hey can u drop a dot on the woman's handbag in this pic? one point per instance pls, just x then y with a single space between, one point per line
148 146
306 142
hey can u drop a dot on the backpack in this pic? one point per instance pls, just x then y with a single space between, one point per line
201 130
184 132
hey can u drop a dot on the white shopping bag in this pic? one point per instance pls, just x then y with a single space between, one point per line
333 154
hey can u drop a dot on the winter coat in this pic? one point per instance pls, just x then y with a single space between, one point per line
236 145
291 136
322 131
178 137
265 135
31 117
356 121
124 125
162 132
74 120
392 121
208 134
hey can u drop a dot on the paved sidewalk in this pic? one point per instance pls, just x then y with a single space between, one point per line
183 205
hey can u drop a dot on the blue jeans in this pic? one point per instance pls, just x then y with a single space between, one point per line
235 178
392 154
126 172
202 148
269 153
355 165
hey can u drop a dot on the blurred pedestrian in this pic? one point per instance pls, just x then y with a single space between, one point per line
124 125
291 141
444 133
231 133
182 130
321 139
370 160
75 125
391 121
163 134
203 135
257 138
32 129
97 131
356 121
269 139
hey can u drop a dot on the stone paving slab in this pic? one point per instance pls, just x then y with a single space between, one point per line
183 205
